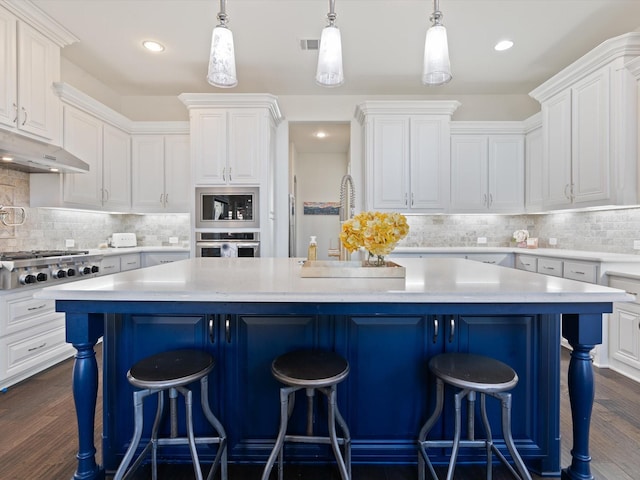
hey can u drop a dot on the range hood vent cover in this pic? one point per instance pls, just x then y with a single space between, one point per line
28 155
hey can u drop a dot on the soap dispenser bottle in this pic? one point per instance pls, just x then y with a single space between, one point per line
312 253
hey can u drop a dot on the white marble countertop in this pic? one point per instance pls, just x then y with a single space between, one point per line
428 280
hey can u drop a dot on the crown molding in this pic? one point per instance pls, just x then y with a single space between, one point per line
233 100
627 45
405 107
28 12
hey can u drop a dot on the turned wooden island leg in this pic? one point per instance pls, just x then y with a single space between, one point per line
83 331
583 332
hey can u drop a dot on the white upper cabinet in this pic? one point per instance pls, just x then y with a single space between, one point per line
231 142
407 155
487 169
533 163
29 64
589 129
161 173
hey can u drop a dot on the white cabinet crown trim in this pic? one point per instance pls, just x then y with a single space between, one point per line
406 107
605 53
234 100
26 11
487 128
634 67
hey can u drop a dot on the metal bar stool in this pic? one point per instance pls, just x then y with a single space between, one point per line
311 370
172 371
471 374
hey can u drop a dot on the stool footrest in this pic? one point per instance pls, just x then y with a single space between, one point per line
185 441
311 439
461 443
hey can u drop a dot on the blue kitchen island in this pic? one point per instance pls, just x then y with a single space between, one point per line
246 311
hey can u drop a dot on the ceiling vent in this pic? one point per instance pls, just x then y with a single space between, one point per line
310 44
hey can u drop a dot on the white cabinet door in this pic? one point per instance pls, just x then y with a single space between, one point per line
38 106
388 150
83 138
506 173
429 168
469 173
209 140
147 173
28 61
161 176
487 173
246 147
556 171
116 161
177 178
533 170
8 63
590 139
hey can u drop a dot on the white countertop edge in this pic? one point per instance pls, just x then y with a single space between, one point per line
541 252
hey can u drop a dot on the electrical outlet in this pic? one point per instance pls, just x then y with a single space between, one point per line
69 242
636 244
482 240
173 240
553 241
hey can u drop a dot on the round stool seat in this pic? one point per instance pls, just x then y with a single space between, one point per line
312 368
170 369
475 372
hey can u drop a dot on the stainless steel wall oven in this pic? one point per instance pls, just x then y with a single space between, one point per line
227 207
227 244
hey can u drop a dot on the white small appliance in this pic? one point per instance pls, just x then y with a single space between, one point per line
123 240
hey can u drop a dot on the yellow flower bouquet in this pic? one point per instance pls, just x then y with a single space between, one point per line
376 232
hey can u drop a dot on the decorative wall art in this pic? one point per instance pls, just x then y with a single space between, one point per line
321 208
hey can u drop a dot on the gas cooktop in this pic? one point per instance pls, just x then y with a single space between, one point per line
25 255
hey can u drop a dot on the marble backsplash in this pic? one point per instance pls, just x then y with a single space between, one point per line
609 231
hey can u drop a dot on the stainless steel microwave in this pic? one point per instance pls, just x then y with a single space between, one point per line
227 207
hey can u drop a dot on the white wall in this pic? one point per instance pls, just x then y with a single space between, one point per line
318 176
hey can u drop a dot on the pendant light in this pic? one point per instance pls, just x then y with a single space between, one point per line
329 72
222 62
437 68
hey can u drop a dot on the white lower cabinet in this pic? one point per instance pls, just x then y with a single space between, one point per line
624 331
150 259
32 336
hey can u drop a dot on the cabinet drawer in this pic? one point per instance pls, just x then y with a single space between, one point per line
26 352
550 266
23 311
527 262
110 265
491 258
584 272
129 262
627 285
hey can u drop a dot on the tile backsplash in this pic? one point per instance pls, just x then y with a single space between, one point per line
609 231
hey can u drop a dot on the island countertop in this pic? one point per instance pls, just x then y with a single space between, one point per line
428 280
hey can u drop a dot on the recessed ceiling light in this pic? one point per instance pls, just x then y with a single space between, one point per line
503 45
320 134
153 46
7 159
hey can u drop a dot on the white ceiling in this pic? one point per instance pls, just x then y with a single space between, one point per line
383 42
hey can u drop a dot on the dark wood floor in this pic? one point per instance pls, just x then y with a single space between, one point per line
38 439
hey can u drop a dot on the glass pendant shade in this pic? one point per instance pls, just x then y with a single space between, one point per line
437 68
222 62
330 73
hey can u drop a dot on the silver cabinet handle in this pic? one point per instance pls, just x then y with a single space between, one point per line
39 307
25 117
484 200
211 328
230 178
161 198
15 107
453 329
490 200
227 328
412 201
37 348
406 199
435 330
224 177
578 272
166 199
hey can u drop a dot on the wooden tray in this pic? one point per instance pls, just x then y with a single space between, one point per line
351 269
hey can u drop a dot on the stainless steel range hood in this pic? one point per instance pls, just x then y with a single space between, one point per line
29 155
